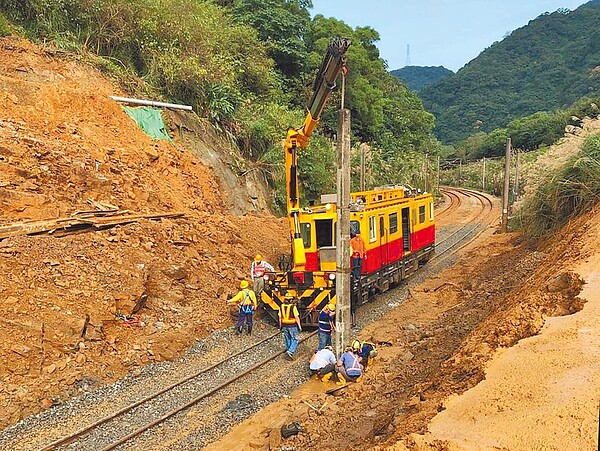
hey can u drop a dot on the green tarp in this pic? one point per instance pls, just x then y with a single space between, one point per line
149 120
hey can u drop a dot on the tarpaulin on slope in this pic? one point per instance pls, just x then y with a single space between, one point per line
149 120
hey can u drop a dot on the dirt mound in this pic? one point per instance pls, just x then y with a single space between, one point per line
66 147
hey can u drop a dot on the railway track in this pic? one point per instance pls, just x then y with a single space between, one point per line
138 422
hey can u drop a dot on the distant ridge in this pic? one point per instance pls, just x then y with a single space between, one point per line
547 64
417 77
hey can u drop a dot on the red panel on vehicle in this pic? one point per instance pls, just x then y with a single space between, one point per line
312 261
422 238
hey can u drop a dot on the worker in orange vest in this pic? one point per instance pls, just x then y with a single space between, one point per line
289 322
357 246
247 302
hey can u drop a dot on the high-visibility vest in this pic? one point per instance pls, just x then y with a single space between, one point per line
259 270
286 312
247 305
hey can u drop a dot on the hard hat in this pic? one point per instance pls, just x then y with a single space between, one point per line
356 345
243 284
288 297
331 307
258 258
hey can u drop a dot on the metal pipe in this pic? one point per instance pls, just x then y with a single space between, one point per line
152 103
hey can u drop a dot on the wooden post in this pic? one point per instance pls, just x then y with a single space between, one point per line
483 176
506 187
342 239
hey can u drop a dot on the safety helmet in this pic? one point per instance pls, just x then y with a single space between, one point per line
258 258
356 345
331 307
289 297
243 284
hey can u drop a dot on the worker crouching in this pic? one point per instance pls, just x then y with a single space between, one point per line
348 367
322 363
247 304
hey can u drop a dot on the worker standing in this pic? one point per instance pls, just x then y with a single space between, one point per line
247 302
258 268
357 246
289 322
326 325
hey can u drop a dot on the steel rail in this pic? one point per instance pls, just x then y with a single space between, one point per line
199 398
72 437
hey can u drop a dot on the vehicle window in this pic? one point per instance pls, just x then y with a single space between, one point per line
354 227
431 211
372 229
305 230
393 223
421 214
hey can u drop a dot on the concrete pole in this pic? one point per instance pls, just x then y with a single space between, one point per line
516 195
504 222
362 166
438 175
483 176
342 239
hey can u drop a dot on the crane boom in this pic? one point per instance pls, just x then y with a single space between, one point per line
297 138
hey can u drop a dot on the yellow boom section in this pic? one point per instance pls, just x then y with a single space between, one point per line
297 138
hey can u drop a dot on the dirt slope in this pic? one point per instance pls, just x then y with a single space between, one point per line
63 144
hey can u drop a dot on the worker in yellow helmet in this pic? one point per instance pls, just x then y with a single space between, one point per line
289 322
258 268
326 325
366 350
247 303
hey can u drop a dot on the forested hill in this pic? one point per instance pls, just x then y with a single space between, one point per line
547 64
417 77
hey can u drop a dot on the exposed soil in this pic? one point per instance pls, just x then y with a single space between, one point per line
63 142
500 351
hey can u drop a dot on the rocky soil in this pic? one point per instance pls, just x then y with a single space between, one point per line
66 147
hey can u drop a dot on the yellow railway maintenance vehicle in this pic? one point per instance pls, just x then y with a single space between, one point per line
396 223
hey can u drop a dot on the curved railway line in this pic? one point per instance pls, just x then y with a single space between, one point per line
132 423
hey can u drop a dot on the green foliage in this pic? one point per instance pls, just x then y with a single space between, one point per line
4 26
547 64
564 194
417 77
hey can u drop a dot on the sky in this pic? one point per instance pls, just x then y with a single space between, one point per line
447 33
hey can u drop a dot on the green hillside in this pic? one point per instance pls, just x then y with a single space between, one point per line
548 64
417 77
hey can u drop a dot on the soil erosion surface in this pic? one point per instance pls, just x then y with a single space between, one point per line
456 334
66 147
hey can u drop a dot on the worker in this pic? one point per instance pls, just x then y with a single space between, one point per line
247 303
366 350
326 325
289 322
357 246
258 268
348 367
322 363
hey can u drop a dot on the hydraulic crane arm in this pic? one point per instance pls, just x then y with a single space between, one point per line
332 65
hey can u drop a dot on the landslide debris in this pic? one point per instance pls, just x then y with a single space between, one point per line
67 302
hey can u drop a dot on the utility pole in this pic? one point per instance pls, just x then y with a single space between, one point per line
504 222
342 277
363 149
483 176
438 175
516 192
